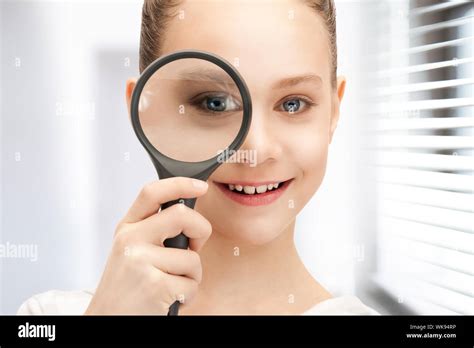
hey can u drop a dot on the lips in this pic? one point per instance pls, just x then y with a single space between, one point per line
253 193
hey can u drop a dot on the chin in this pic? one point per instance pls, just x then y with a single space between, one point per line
250 233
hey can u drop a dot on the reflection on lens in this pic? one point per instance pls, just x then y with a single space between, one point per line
190 110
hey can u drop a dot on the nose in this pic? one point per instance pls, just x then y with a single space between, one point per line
261 139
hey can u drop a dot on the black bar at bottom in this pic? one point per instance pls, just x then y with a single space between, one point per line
452 331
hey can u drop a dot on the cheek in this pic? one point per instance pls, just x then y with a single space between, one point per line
308 150
314 167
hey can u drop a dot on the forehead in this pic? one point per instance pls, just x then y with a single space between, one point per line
269 39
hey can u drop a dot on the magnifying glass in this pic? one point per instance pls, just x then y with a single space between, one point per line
191 110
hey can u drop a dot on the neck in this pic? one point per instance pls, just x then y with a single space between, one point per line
254 279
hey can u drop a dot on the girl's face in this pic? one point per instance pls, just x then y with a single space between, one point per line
282 50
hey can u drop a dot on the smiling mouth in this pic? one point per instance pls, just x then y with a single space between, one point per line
254 194
254 189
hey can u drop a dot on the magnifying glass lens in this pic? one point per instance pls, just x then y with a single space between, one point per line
190 110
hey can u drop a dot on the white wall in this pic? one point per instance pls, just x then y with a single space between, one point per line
65 120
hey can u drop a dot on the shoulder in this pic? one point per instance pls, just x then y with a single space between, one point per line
342 305
57 302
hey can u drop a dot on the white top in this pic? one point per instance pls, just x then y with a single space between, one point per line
76 302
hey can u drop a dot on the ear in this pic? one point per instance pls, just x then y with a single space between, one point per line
340 88
130 86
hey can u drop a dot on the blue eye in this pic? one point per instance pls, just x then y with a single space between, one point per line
296 104
216 103
292 105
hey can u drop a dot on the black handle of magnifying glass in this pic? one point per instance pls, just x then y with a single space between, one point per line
180 241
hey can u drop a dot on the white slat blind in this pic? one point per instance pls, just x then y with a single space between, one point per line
421 146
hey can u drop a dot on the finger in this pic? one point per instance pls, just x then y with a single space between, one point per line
174 261
158 192
169 223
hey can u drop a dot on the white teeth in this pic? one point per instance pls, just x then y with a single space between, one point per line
249 190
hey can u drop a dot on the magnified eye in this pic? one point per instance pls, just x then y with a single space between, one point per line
216 103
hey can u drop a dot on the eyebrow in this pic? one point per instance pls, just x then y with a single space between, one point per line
206 75
222 77
296 80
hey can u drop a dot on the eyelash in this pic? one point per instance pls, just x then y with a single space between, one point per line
198 100
308 101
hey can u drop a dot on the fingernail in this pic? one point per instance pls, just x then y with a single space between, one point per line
199 183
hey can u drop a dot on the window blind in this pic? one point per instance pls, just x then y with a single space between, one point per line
421 148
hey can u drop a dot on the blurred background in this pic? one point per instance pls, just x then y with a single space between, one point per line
392 222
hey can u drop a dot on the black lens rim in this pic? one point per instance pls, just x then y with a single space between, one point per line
173 167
